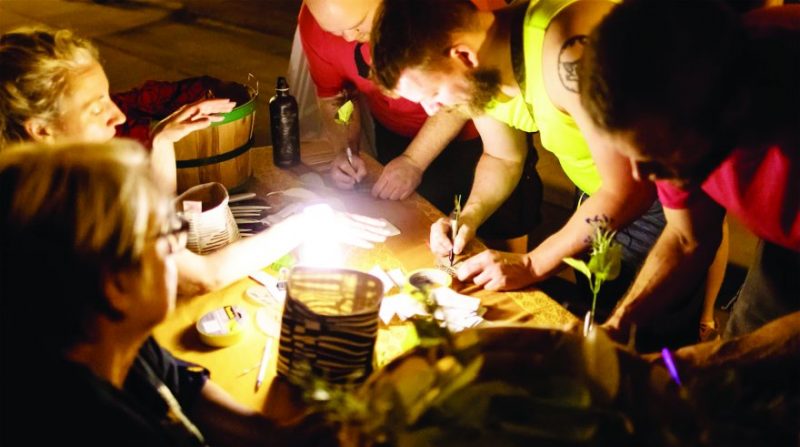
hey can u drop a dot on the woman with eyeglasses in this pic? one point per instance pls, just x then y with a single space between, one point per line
88 248
53 89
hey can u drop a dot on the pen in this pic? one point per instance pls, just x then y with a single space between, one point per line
349 153
265 356
454 216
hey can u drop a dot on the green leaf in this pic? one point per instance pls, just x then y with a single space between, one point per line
580 266
344 113
286 261
605 264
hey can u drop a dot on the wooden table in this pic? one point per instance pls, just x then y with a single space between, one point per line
409 251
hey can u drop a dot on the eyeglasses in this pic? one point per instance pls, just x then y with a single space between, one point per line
175 232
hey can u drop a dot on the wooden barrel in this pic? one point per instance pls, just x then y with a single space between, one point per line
221 152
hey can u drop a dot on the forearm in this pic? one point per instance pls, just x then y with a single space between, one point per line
339 135
776 341
437 132
495 180
162 159
572 239
671 271
202 274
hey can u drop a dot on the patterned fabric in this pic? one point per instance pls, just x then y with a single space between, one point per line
155 100
330 324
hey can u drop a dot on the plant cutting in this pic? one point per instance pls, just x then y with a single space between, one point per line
494 386
605 259
343 115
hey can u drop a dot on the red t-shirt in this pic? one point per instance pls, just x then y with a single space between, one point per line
760 186
335 64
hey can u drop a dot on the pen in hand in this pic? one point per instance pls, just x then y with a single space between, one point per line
265 356
454 217
349 153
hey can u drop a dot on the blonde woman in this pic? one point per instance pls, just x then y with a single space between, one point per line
88 244
52 88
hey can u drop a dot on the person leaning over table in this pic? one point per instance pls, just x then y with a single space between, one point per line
88 244
516 67
704 102
434 155
53 88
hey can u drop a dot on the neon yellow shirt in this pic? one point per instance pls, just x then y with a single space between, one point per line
533 110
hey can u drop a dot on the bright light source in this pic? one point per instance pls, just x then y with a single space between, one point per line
321 247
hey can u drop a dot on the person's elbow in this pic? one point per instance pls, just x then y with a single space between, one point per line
197 275
705 239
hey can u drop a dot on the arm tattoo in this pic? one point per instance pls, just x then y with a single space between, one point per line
569 58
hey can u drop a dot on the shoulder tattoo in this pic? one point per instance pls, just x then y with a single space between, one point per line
569 58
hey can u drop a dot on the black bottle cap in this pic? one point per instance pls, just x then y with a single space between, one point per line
282 86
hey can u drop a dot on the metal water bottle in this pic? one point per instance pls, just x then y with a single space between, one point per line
285 127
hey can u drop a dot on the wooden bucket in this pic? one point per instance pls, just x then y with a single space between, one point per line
221 152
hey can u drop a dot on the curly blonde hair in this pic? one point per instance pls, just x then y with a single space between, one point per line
73 212
35 64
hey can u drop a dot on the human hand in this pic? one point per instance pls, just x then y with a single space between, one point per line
497 270
191 117
344 174
351 229
398 180
440 241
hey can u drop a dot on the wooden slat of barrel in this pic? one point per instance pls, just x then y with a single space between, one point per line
214 141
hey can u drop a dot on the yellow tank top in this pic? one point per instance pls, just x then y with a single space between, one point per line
533 110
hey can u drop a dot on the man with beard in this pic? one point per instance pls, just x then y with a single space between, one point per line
519 66
435 155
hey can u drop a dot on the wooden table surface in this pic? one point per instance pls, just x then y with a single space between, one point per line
408 251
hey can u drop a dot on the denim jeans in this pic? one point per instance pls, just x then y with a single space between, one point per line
770 290
636 239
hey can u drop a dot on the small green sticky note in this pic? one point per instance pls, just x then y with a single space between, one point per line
344 113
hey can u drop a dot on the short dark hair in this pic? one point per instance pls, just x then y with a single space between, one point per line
414 33
662 59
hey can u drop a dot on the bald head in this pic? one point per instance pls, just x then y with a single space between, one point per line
350 19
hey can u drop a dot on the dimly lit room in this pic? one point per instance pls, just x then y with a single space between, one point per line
402 223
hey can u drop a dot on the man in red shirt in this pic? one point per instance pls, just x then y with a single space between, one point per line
705 103
435 155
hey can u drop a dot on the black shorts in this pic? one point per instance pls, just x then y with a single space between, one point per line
452 173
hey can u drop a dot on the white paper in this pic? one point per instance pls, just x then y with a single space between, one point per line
271 283
449 298
379 273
